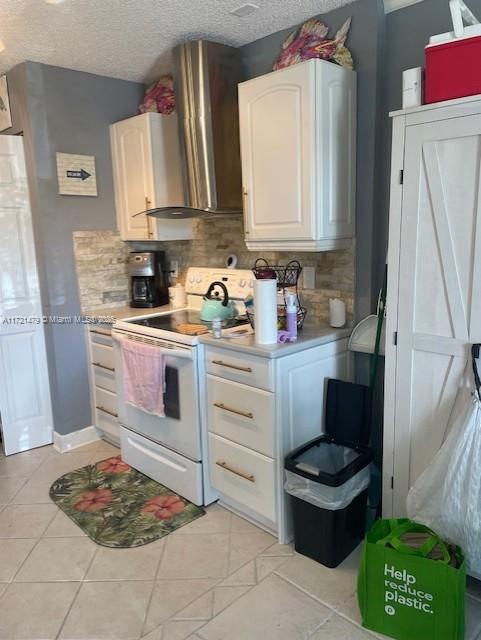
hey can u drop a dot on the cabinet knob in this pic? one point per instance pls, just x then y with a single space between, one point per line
110 413
244 414
242 474
221 363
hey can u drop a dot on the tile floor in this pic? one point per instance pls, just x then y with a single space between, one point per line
218 578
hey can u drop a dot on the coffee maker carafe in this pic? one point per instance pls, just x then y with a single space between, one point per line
149 285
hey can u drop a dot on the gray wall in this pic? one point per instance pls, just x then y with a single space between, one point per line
366 42
67 111
17 88
63 110
407 33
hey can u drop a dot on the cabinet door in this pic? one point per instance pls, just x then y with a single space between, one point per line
336 142
439 291
133 176
277 124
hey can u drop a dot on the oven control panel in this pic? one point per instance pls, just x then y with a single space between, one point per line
239 282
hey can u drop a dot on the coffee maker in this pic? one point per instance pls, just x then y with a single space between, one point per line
149 286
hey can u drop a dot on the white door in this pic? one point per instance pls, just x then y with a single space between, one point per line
133 176
439 305
26 415
277 130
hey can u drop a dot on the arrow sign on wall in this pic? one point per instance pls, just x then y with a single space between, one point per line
76 174
80 175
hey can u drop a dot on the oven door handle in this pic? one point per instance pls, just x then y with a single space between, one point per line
185 354
178 353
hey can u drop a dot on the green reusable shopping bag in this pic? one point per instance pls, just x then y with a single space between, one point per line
403 593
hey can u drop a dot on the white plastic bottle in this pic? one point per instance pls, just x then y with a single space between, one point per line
217 328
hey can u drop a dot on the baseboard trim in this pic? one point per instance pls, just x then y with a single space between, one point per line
69 441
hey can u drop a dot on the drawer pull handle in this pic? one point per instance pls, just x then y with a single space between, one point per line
241 474
102 366
244 414
232 366
101 333
111 413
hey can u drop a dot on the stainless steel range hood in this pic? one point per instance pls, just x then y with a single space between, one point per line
206 75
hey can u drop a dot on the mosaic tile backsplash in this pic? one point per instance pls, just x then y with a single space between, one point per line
101 258
103 282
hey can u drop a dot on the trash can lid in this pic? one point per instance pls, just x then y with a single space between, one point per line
348 412
326 462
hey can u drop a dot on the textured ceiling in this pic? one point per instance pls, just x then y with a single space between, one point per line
132 39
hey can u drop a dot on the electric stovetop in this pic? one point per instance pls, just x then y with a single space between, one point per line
170 321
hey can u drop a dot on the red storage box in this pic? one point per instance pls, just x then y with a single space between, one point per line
453 69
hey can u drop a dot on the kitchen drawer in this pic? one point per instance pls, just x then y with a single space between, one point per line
101 336
241 413
243 475
239 367
106 401
104 378
103 355
109 425
163 465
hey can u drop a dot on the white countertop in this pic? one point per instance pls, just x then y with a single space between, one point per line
110 315
310 336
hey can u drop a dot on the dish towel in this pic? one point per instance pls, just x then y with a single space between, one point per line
143 376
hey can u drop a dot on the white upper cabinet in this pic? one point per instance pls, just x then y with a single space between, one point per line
147 174
298 148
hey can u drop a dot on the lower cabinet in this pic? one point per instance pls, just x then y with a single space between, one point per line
242 414
244 476
102 383
251 430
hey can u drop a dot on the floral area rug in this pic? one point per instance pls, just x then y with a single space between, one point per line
118 506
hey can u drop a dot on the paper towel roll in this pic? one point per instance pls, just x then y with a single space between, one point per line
265 311
177 296
337 312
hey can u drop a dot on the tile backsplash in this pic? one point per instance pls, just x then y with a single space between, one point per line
101 259
103 283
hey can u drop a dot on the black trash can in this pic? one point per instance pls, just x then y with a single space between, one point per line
328 478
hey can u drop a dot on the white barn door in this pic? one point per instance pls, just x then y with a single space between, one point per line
439 305
25 410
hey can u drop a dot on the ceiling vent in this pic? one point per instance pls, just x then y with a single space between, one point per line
244 10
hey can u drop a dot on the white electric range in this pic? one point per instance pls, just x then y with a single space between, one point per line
173 449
